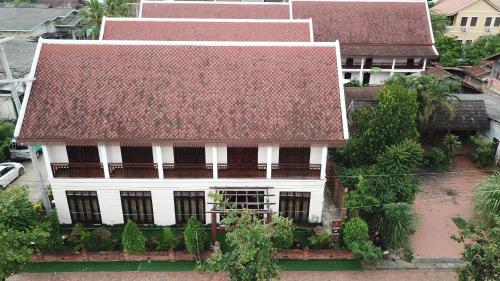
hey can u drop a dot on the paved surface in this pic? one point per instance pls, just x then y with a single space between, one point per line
30 178
380 275
441 198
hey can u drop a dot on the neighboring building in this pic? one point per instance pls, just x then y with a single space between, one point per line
35 22
148 129
456 74
377 39
470 19
165 29
19 55
494 81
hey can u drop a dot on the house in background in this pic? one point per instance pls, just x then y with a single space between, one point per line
470 19
149 129
377 39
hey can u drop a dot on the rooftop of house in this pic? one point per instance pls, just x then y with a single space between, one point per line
371 28
481 70
452 7
206 30
20 55
361 93
492 102
217 10
26 19
441 73
185 92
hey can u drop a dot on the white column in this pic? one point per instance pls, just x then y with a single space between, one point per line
361 70
48 161
425 64
324 157
159 160
42 187
215 170
269 161
103 156
393 66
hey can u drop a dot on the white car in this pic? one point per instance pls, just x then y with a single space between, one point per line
9 171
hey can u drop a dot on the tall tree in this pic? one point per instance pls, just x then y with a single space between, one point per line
93 13
439 24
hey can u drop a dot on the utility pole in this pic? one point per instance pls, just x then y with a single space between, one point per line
8 74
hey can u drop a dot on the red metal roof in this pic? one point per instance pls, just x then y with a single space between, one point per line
216 10
167 30
89 91
370 28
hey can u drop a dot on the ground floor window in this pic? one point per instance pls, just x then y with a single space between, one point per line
137 206
245 199
84 207
295 205
188 204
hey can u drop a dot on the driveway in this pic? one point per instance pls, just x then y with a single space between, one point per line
442 197
380 275
30 178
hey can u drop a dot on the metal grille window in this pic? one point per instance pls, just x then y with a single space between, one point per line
84 207
137 206
245 199
188 204
295 205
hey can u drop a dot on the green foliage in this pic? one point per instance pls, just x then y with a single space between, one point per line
397 224
436 160
482 251
14 251
451 144
195 237
481 48
353 83
450 51
81 237
487 198
133 240
321 241
283 232
350 177
6 133
355 237
439 24
401 158
16 211
93 13
483 154
169 240
359 201
390 122
252 255
46 234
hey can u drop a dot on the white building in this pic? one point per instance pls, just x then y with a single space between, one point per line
145 130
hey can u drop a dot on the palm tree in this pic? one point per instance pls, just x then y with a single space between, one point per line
92 16
487 198
435 94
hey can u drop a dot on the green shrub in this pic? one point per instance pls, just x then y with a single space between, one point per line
282 232
436 160
133 240
487 199
483 154
194 237
451 144
153 243
322 241
397 224
54 241
81 237
16 211
169 240
355 237
359 201
349 178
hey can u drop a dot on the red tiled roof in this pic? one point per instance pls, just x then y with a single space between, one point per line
481 70
400 25
216 10
184 93
291 31
386 51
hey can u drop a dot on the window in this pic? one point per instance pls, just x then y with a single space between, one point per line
349 62
137 154
188 204
473 21
459 42
487 22
245 199
137 206
410 62
84 207
295 205
242 155
189 155
294 155
366 78
83 154
468 42
5 170
463 21
497 22
368 63
347 75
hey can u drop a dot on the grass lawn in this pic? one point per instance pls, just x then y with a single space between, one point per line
286 265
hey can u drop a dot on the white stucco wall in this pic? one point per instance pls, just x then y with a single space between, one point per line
114 153
7 109
167 154
494 132
315 156
379 78
58 153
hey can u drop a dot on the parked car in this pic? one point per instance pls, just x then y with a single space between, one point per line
20 151
9 171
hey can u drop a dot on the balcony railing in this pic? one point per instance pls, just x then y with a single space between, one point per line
77 170
133 170
296 170
187 170
242 170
